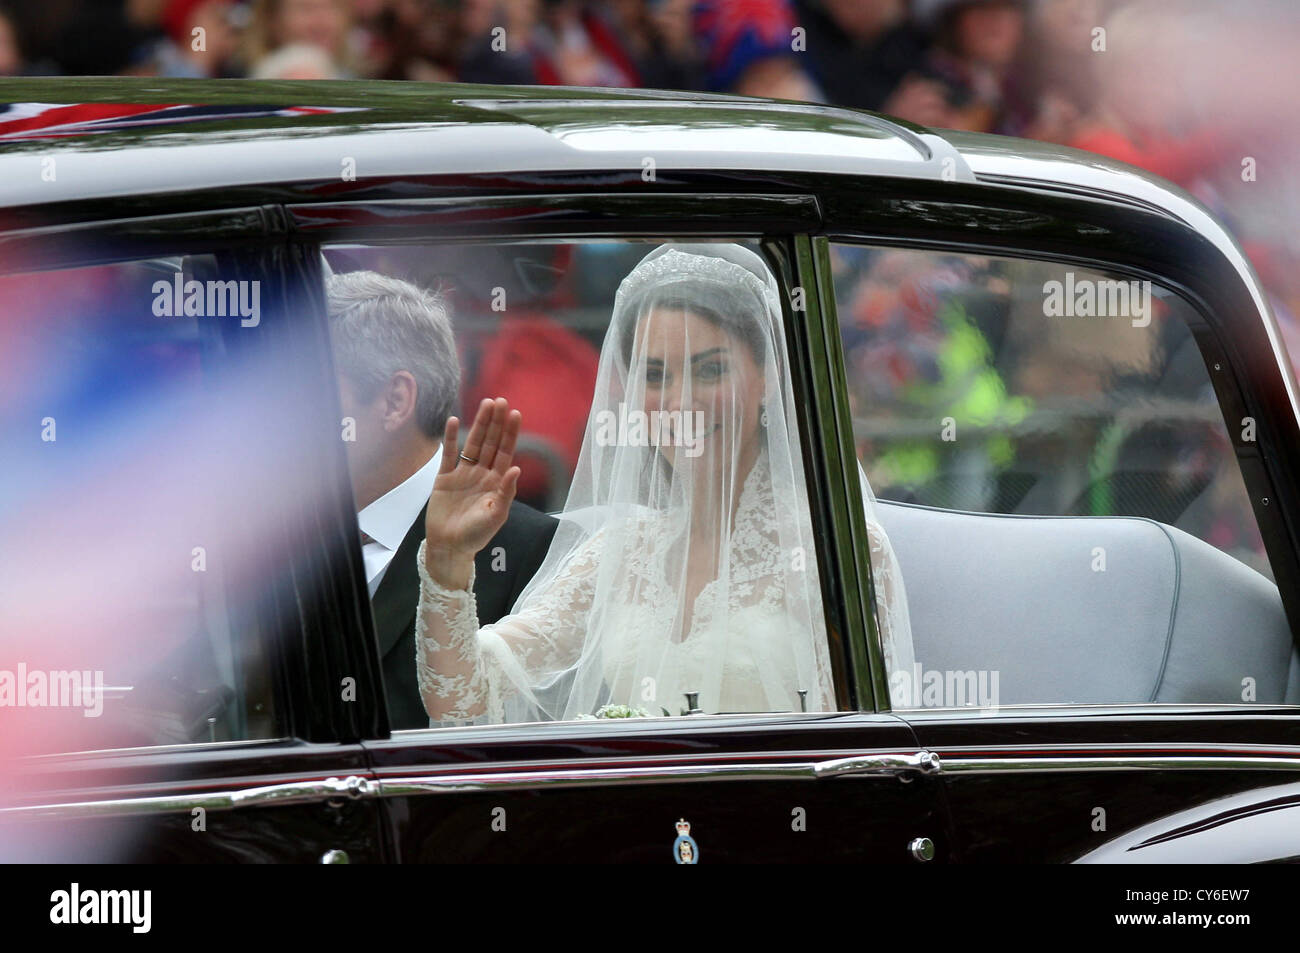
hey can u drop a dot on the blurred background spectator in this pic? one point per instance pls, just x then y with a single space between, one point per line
11 56
750 48
326 25
296 61
974 48
200 39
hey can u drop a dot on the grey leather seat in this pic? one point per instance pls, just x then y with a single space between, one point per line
1169 619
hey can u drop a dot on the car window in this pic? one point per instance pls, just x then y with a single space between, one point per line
135 556
659 557
1058 483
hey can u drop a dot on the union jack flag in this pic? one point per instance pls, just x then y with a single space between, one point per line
23 121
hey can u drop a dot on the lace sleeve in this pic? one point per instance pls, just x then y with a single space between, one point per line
466 672
891 603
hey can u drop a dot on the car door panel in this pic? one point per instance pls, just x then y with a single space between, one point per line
271 803
830 788
1110 785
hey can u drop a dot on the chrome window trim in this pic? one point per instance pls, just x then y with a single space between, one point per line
655 723
877 765
940 762
958 765
884 765
295 792
1092 756
1074 710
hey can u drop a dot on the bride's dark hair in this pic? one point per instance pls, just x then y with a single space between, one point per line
735 305
736 310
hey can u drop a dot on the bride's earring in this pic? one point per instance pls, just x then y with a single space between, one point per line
762 414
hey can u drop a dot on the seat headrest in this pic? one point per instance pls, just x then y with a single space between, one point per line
1086 609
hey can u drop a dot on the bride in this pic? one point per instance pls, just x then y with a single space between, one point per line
685 560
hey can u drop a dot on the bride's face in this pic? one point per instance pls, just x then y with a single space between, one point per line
694 366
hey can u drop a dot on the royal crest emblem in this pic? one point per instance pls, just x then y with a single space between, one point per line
685 850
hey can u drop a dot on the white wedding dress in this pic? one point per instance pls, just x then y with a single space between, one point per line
760 665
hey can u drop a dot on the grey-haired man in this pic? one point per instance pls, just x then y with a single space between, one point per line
398 379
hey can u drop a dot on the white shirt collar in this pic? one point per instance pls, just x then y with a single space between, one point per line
388 519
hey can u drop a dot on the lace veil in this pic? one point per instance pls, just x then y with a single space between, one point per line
684 561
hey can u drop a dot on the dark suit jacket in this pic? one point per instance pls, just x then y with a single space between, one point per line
525 537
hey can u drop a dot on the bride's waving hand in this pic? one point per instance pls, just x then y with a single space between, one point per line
463 669
472 493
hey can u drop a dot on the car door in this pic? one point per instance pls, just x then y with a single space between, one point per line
180 636
849 784
1091 499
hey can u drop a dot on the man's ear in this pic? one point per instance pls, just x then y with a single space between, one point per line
400 400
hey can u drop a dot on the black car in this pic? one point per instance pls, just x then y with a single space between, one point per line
1059 373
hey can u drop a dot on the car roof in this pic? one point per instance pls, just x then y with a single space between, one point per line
111 137
116 137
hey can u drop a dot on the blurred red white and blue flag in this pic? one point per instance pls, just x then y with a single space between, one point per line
19 121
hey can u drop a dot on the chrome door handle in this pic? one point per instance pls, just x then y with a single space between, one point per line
351 788
923 762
